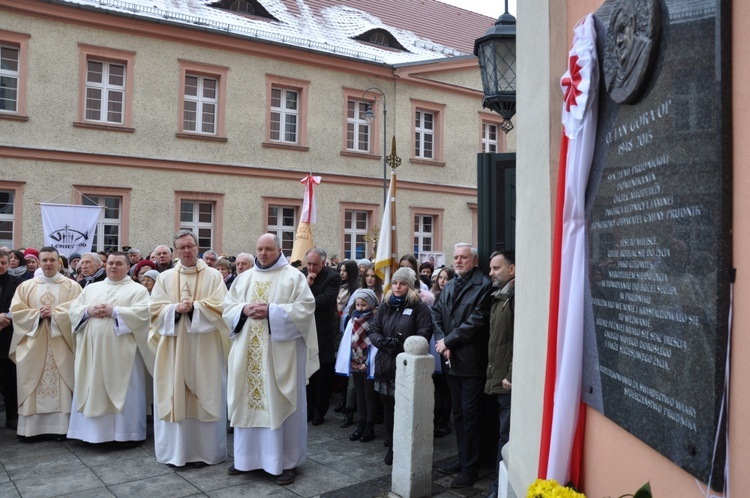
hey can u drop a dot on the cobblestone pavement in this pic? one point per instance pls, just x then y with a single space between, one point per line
336 467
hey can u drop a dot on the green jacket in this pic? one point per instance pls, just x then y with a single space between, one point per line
500 347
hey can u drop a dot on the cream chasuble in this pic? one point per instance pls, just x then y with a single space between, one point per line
43 352
106 347
263 369
190 355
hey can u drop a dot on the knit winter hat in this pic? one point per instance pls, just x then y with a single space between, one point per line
364 262
405 275
152 274
75 255
141 264
31 253
367 296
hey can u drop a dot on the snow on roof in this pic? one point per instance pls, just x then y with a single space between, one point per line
323 25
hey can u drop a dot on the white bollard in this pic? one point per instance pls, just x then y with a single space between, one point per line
413 420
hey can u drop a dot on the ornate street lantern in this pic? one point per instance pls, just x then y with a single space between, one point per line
497 62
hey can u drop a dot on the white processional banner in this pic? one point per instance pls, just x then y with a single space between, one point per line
69 228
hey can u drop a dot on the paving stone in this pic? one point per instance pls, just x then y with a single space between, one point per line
59 484
142 466
165 486
8 490
43 464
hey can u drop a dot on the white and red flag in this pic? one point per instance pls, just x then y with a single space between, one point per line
563 417
386 257
303 239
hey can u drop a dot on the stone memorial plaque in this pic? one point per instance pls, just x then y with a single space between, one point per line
659 228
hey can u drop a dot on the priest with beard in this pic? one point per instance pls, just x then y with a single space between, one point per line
270 311
111 320
42 348
190 342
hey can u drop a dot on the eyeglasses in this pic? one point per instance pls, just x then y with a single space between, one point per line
186 247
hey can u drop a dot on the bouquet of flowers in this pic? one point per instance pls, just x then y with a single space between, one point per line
549 488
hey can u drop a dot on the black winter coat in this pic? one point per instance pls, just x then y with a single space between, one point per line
462 320
8 285
326 290
397 322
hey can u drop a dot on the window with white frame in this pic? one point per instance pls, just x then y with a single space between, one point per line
198 217
9 78
105 91
489 137
282 221
109 227
284 115
424 233
356 228
7 217
424 134
201 100
357 128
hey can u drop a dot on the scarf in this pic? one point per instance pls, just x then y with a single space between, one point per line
396 301
93 277
18 271
360 341
461 282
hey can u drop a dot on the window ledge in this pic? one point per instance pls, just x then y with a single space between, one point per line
105 127
196 136
14 117
361 155
284 145
426 162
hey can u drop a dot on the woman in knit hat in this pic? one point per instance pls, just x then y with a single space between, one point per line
31 256
148 279
141 268
401 315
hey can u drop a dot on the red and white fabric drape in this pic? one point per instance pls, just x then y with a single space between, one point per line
563 417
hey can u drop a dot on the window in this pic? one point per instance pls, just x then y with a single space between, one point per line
13 63
428 229
361 137
198 217
356 230
381 38
9 76
424 134
202 214
357 128
489 137
286 121
114 220
242 6
428 130
106 88
108 234
10 213
105 91
423 224
282 220
203 101
284 115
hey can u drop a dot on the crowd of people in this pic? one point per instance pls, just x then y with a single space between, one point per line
93 343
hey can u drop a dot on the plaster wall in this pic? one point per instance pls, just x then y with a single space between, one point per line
53 97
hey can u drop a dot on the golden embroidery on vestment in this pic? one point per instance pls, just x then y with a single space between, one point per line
256 392
47 298
49 387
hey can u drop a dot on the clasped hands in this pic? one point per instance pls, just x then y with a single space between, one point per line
46 311
103 310
186 306
256 311
390 345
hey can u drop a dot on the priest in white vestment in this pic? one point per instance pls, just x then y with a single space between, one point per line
271 312
110 320
42 348
190 342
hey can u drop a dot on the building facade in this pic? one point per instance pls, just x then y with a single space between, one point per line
206 115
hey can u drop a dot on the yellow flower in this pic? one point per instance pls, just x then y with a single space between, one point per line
549 488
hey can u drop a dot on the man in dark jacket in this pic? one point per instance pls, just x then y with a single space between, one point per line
324 283
8 284
460 319
500 350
